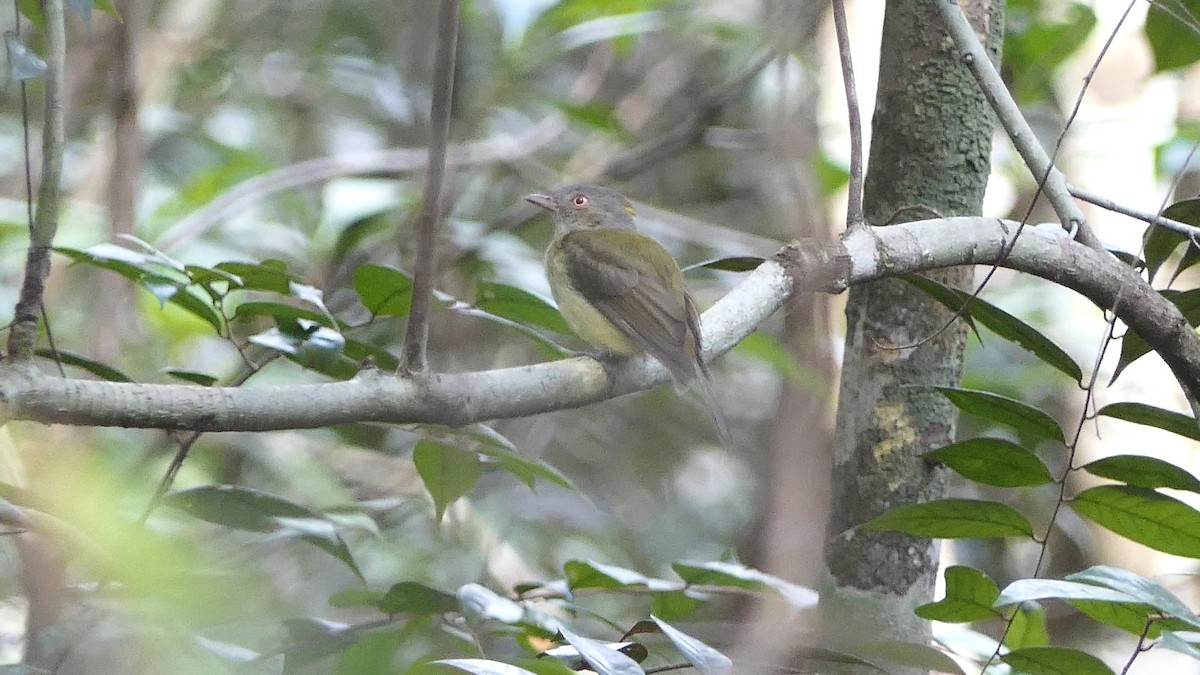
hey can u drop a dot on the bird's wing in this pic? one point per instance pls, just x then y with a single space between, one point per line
645 298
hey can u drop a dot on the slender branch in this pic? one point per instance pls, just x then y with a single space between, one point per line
416 333
1144 216
1019 132
461 398
854 206
500 148
45 222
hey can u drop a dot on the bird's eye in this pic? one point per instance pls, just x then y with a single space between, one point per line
579 201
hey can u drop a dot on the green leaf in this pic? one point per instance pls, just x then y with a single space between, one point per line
953 519
1147 472
1145 516
411 597
1151 416
993 461
384 291
1160 243
568 13
202 379
483 603
359 352
908 655
357 231
194 305
278 310
252 510
676 605
588 574
496 450
1004 410
96 368
1055 661
161 287
705 659
23 64
127 263
1173 641
970 595
602 657
32 10
1148 415
1127 616
598 116
1026 590
521 306
210 276
1133 347
528 469
1172 41
269 275
308 293
1001 323
734 575
744 263
1028 627
448 473
1037 42
1141 588
485 667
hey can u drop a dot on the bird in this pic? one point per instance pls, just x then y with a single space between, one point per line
620 290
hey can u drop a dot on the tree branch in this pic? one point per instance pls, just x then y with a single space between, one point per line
461 398
45 223
1144 216
416 332
854 206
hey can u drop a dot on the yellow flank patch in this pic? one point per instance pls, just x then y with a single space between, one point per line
893 421
629 210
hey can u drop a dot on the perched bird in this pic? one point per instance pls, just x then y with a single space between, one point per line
621 290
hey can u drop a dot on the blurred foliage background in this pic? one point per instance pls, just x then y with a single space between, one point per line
723 121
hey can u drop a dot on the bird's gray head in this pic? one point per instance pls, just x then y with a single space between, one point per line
586 206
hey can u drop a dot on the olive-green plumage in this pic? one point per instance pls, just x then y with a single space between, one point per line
619 289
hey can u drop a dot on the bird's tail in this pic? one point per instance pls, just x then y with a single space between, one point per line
709 393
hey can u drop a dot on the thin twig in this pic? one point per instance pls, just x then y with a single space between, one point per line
1141 644
45 221
854 206
1144 216
417 332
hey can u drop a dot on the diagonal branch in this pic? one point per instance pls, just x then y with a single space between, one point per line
45 222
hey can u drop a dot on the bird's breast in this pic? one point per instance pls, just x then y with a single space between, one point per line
587 322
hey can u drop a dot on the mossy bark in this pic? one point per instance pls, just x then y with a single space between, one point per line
929 157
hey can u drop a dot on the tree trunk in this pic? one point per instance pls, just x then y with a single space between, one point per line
930 145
